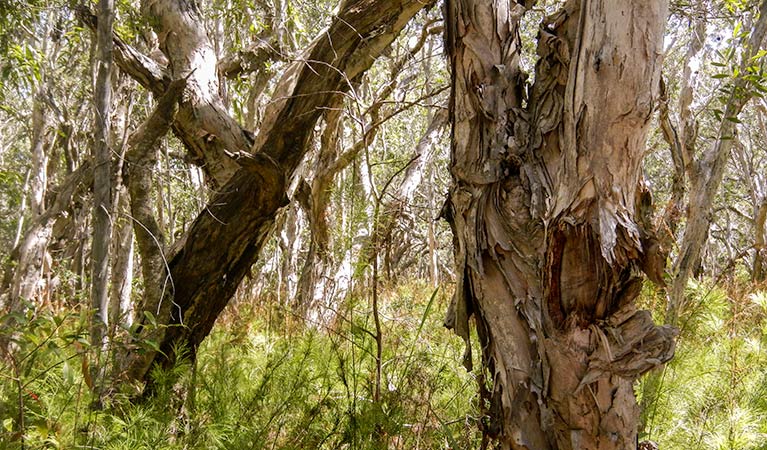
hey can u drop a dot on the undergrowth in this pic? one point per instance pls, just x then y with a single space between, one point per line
260 382
253 387
713 394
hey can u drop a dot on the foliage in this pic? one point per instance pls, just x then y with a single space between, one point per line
712 394
255 388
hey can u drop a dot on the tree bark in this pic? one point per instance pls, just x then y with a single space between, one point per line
758 272
22 272
142 162
544 210
23 282
121 304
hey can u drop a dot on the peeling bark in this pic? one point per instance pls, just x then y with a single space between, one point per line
545 213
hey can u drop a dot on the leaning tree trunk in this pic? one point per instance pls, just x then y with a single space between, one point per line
544 210
709 172
226 238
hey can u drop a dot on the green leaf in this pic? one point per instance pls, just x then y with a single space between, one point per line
66 373
150 317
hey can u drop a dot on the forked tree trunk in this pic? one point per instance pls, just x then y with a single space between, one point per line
544 209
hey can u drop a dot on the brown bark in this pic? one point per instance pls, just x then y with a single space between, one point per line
225 239
544 210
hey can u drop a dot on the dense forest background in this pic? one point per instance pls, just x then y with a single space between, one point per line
334 338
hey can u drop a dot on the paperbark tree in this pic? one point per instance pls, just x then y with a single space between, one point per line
317 297
548 212
209 262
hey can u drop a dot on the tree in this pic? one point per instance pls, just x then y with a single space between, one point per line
252 176
707 172
102 177
550 216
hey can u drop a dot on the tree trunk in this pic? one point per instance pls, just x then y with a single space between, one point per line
758 272
121 305
227 236
102 176
22 282
120 302
544 210
142 162
23 270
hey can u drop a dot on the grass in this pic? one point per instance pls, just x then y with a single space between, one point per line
253 388
260 382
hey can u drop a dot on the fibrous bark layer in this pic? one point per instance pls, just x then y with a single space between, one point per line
549 212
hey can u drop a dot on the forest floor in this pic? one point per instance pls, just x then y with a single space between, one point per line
261 381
